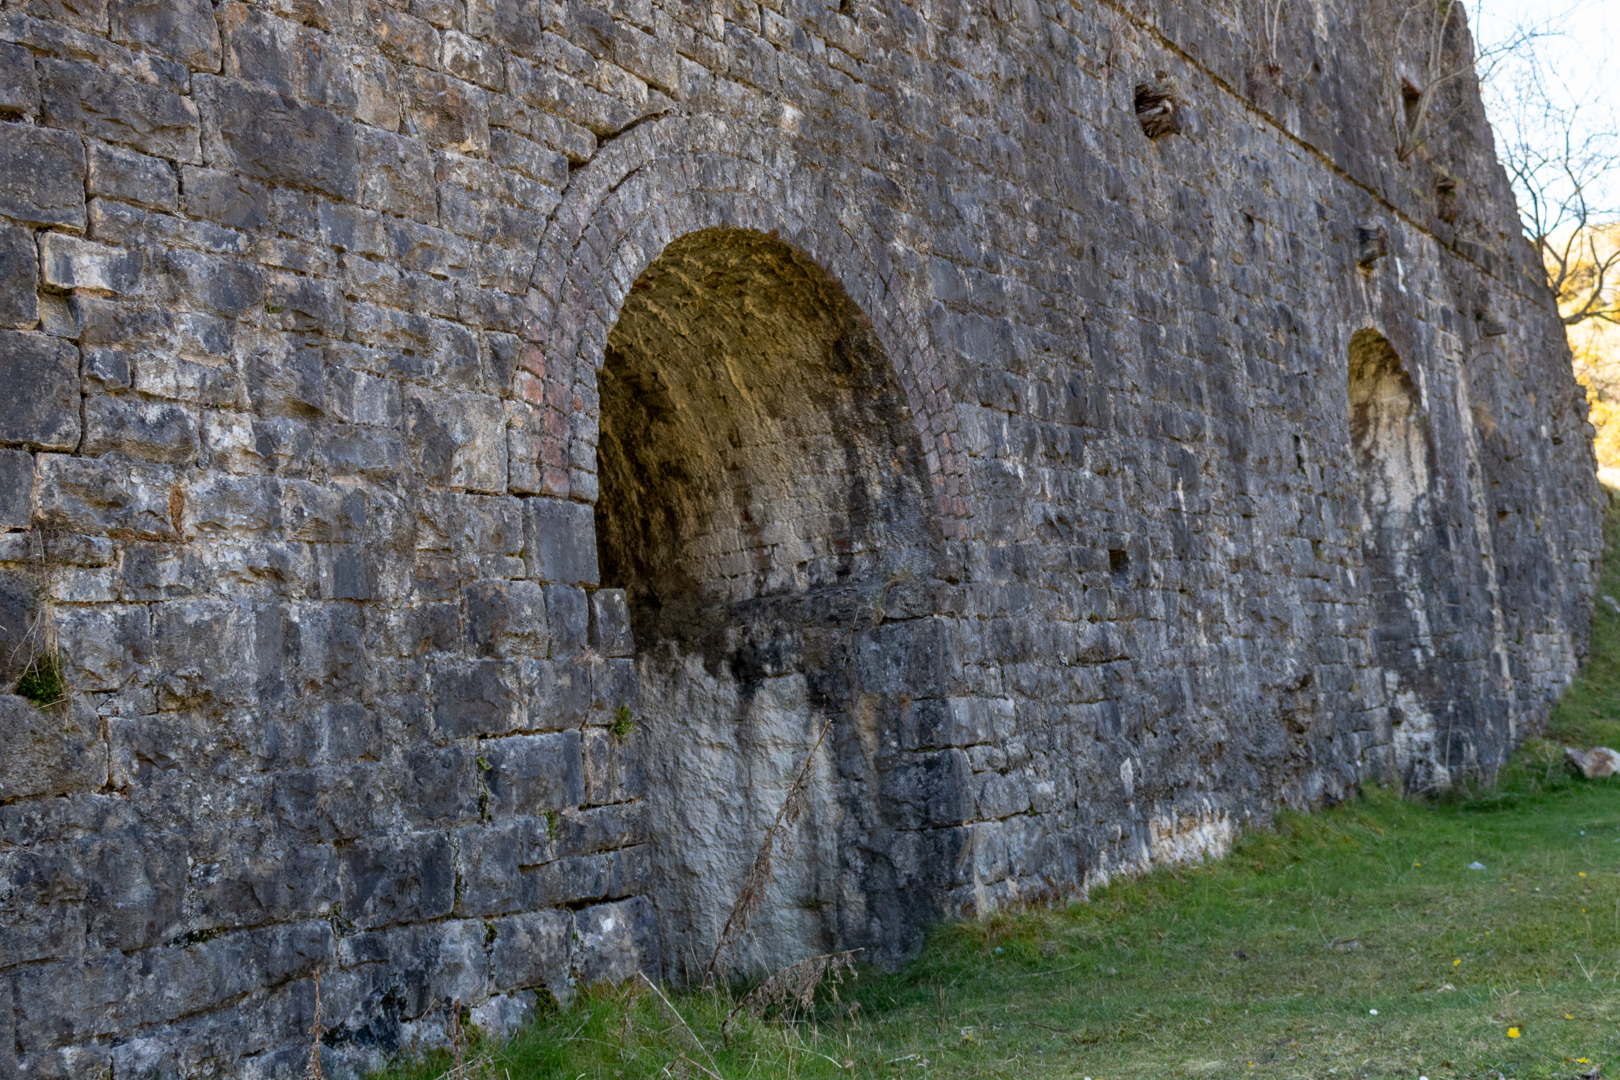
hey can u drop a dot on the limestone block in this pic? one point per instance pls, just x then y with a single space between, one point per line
224 198
613 684
398 878
68 262
929 790
503 1015
507 618
19 279
439 784
123 174
396 175
16 489
609 632
513 23
459 440
940 722
181 29
266 136
141 428
119 109
223 286
490 855
42 913
533 774
266 880
104 645
41 176
421 967
104 495
558 693
19 85
614 941
531 950
446 112
327 804
42 408
560 542
230 505
280 55
472 60
49 751
567 615
613 768
137 889
476 697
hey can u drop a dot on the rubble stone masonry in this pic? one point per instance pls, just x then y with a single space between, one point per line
464 458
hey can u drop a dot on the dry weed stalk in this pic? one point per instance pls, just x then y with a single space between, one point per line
793 989
312 1068
763 871
462 1067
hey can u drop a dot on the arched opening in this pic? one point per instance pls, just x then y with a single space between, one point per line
762 491
1394 464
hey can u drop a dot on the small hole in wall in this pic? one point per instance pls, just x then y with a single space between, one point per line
1411 98
1119 562
1158 106
1445 197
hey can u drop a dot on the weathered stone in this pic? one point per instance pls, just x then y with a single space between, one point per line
19 279
479 698
531 950
49 751
1593 764
181 29
123 174
16 489
533 774
266 136
68 262
396 175
19 85
614 941
149 430
104 495
120 109
559 542
225 198
42 409
41 176
610 623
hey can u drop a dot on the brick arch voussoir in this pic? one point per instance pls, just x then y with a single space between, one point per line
662 181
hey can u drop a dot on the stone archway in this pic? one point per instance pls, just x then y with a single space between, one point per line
762 489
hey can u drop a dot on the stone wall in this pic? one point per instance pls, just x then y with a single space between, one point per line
464 453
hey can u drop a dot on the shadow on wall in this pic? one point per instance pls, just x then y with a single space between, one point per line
1394 460
763 497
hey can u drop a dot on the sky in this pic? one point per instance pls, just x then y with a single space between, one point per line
1575 56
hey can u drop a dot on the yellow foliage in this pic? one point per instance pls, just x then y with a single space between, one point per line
1605 417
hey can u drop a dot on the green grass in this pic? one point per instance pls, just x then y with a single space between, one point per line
1268 963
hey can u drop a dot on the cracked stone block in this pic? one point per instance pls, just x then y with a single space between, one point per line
42 409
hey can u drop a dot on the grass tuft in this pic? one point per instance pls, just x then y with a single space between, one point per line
42 681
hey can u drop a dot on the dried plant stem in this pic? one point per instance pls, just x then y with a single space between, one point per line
312 1068
762 871
794 987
